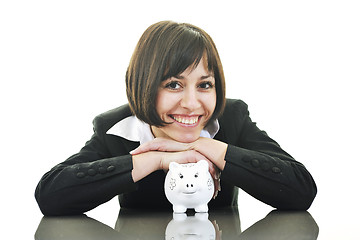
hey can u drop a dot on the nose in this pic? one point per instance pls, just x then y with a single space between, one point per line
190 100
189 188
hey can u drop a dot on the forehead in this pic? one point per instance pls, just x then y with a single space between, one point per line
180 58
198 69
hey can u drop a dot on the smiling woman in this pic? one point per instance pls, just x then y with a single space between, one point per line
186 103
177 112
170 51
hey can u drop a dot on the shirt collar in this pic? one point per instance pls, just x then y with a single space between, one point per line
133 129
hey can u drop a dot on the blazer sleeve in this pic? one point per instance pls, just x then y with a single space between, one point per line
259 166
86 179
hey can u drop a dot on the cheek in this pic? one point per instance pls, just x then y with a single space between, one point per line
165 102
161 103
210 102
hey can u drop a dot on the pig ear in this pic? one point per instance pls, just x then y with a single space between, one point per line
203 164
173 165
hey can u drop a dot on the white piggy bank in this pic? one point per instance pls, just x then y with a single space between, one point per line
189 186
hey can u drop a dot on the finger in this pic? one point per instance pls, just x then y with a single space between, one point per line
194 156
217 188
161 144
190 156
214 171
146 147
216 178
153 145
179 157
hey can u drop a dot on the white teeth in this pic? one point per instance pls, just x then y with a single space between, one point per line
188 121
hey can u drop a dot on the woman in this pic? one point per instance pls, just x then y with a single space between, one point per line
177 111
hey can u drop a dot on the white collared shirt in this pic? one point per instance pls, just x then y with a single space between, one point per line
133 129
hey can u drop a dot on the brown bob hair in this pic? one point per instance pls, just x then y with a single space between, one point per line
167 49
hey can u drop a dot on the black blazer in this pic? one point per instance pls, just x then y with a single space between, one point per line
102 170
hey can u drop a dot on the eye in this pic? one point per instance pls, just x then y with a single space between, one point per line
173 85
196 175
206 85
181 176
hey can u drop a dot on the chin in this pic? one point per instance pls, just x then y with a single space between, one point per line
187 138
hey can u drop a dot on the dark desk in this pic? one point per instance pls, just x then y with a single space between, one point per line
217 224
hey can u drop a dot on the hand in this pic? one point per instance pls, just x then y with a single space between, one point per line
173 151
146 162
188 156
213 150
177 152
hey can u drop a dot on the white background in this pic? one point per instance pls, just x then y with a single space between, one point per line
295 63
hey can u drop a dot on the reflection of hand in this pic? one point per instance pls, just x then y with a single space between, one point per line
217 230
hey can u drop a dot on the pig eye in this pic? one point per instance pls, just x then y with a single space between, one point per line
196 175
180 175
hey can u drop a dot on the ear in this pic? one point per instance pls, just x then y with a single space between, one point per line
202 164
173 165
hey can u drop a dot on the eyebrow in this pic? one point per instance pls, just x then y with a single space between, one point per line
201 78
206 76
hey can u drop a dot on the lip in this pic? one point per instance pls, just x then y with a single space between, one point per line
186 120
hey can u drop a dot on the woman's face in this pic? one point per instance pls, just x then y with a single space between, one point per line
186 101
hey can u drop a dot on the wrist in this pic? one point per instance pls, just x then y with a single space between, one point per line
144 164
213 149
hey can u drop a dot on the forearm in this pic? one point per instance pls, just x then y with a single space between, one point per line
280 182
77 188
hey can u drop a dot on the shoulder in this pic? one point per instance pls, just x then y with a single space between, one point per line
109 118
232 121
234 106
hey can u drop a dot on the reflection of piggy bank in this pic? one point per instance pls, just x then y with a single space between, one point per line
189 186
193 227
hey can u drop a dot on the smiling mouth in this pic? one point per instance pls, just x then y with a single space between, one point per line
189 193
187 120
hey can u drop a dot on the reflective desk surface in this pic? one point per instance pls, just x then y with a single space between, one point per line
217 224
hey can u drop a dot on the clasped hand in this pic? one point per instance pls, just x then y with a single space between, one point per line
168 150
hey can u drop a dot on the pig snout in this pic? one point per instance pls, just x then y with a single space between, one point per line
189 188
